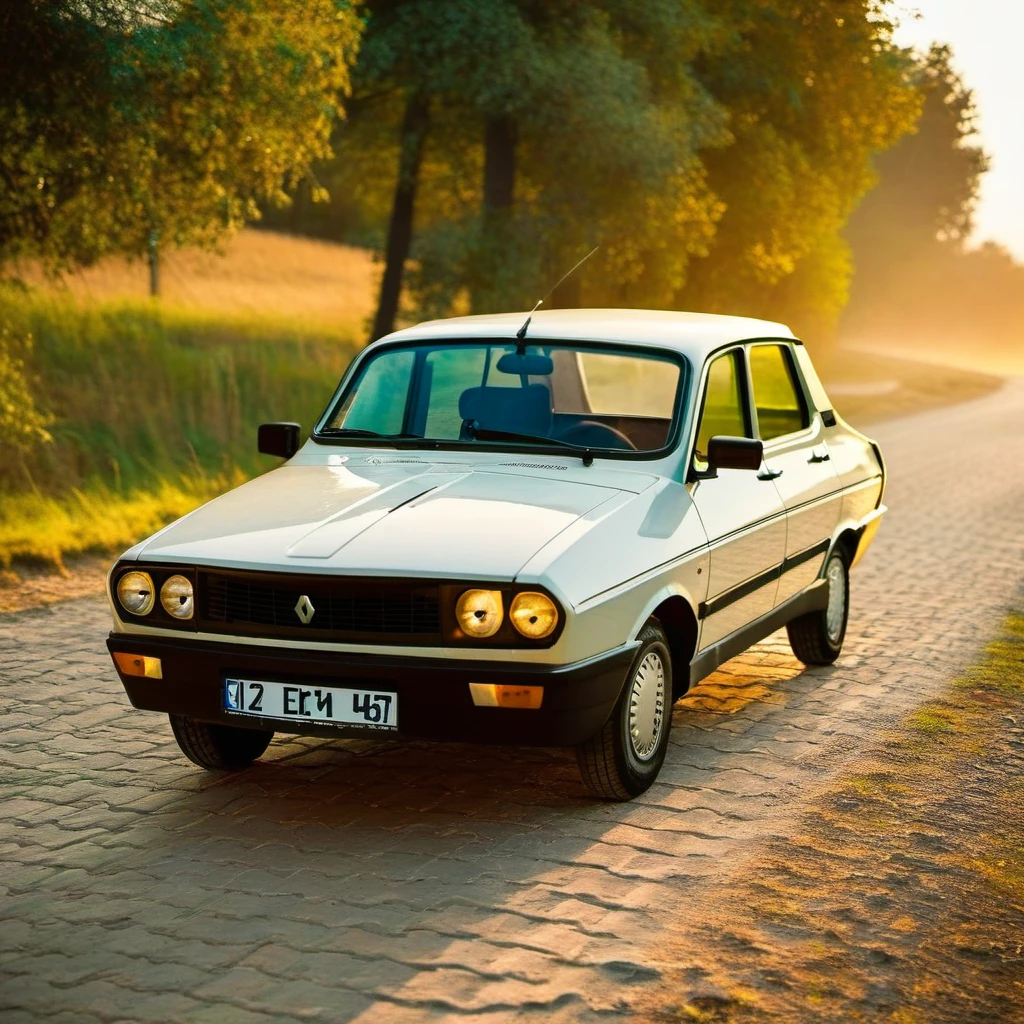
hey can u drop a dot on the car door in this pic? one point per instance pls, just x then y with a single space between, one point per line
797 458
741 510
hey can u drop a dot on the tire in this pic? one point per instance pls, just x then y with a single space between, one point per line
218 747
813 639
613 764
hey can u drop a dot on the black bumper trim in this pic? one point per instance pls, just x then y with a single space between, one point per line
434 697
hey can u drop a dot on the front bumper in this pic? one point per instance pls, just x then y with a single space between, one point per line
433 694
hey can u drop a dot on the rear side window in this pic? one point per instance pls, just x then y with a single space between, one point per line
723 411
777 398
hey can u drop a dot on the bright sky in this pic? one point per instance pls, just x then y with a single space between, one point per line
986 36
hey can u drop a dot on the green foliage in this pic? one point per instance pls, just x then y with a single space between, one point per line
122 119
714 150
814 89
22 424
608 119
153 412
140 392
39 527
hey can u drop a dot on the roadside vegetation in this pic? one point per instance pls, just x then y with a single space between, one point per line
899 895
118 415
718 154
138 412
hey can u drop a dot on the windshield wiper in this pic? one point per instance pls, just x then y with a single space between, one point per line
486 434
360 432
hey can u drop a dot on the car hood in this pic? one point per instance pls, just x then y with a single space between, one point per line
392 517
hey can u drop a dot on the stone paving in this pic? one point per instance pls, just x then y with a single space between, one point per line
388 882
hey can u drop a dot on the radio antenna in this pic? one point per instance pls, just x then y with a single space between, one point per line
521 333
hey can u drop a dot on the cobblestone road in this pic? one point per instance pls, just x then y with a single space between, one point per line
383 882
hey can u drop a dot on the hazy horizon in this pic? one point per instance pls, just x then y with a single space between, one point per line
985 36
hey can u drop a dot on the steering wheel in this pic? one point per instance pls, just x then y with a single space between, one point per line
592 434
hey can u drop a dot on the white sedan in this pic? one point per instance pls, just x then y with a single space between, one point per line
510 531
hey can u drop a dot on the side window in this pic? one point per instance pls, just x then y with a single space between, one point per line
723 411
777 398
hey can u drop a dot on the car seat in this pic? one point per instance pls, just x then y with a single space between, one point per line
525 410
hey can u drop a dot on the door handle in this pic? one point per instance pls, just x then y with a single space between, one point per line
819 454
769 474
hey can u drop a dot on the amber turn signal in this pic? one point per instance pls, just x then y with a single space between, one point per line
139 665
499 695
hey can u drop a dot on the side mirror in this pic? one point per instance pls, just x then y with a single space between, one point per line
734 453
280 439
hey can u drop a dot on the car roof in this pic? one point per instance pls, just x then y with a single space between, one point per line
693 334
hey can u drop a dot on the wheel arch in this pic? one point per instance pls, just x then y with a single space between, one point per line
677 618
847 541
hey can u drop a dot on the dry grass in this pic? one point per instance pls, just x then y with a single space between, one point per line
258 272
896 896
866 387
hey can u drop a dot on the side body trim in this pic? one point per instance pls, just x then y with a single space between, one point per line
813 599
723 600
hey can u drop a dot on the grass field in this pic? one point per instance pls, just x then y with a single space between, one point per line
154 409
154 404
258 273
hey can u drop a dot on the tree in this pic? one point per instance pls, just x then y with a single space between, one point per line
125 119
714 151
814 89
598 142
580 124
918 217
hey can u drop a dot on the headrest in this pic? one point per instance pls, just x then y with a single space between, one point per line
524 410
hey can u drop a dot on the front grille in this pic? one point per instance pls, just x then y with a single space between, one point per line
344 609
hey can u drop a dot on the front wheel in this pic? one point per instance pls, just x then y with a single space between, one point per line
218 747
624 758
817 637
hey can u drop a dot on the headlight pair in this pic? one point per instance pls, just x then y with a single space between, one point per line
137 594
480 613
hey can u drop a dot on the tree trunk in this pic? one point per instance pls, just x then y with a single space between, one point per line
499 164
490 284
399 240
154 264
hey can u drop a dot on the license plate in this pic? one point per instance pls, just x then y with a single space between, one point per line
292 702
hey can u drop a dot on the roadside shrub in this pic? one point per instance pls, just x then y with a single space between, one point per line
22 424
136 412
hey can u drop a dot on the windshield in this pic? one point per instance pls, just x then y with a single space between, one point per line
596 398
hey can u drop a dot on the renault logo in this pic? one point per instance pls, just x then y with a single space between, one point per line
304 609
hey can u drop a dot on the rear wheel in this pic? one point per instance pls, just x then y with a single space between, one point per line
817 637
624 758
218 747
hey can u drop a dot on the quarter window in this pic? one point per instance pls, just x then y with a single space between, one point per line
724 410
777 398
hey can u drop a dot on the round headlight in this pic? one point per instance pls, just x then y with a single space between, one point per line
480 613
534 615
176 597
136 593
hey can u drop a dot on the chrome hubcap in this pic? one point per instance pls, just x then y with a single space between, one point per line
647 706
836 611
